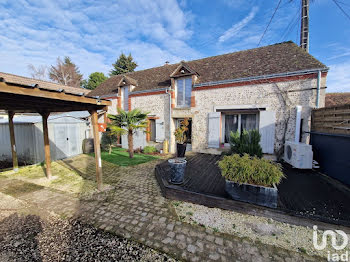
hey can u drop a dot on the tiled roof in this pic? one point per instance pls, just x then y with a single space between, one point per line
44 84
273 59
337 99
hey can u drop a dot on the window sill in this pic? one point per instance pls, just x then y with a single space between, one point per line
182 108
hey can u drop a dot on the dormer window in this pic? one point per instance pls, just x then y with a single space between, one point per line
183 91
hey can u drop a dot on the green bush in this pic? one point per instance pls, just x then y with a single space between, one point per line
108 140
248 142
149 149
250 170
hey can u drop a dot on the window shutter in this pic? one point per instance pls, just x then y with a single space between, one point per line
160 132
139 139
267 131
124 139
214 129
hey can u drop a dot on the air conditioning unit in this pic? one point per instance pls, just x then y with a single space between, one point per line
299 155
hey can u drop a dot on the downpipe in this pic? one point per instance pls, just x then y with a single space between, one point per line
318 89
168 92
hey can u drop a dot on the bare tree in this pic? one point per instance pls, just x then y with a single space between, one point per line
65 72
39 72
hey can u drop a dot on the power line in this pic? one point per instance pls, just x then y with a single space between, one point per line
291 24
279 2
341 9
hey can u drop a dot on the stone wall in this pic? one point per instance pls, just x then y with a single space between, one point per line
262 95
158 106
268 95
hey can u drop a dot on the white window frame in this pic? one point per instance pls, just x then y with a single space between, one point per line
223 114
183 92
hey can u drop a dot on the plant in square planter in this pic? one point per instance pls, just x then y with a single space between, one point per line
251 179
180 138
177 170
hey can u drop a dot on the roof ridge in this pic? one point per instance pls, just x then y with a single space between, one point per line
31 78
241 51
195 60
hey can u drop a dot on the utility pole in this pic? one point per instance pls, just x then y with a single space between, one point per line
304 32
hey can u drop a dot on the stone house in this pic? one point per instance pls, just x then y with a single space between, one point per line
251 89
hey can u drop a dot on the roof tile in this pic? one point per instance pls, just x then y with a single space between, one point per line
278 58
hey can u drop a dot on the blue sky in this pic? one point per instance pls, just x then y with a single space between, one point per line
94 33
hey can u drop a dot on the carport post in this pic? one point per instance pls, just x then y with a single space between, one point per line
45 116
97 148
13 141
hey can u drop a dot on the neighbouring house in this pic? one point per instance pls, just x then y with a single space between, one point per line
337 99
252 89
66 130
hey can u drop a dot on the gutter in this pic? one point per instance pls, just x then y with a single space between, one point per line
149 91
229 81
318 89
167 90
251 78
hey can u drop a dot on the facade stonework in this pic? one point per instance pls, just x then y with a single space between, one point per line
281 97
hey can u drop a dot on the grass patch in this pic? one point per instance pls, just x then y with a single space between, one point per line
34 178
216 230
120 157
302 250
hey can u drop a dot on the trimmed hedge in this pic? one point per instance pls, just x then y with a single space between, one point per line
250 170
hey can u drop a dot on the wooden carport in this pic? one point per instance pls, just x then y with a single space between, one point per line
34 98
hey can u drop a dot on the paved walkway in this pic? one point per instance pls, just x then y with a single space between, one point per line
135 209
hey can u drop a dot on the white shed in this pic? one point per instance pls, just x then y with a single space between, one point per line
66 133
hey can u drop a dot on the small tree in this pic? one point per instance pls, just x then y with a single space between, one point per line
180 132
94 80
123 65
65 72
128 123
108 139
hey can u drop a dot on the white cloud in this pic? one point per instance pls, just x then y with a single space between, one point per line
338 79
239 26
92 33
235 3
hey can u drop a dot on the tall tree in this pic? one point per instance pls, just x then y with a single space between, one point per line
94 80
39 72
65 72
123 65
127 122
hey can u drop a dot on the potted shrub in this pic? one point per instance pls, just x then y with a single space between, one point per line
246 142
251 179
180 138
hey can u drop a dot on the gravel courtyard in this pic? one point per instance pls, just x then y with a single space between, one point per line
129 220
30 238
